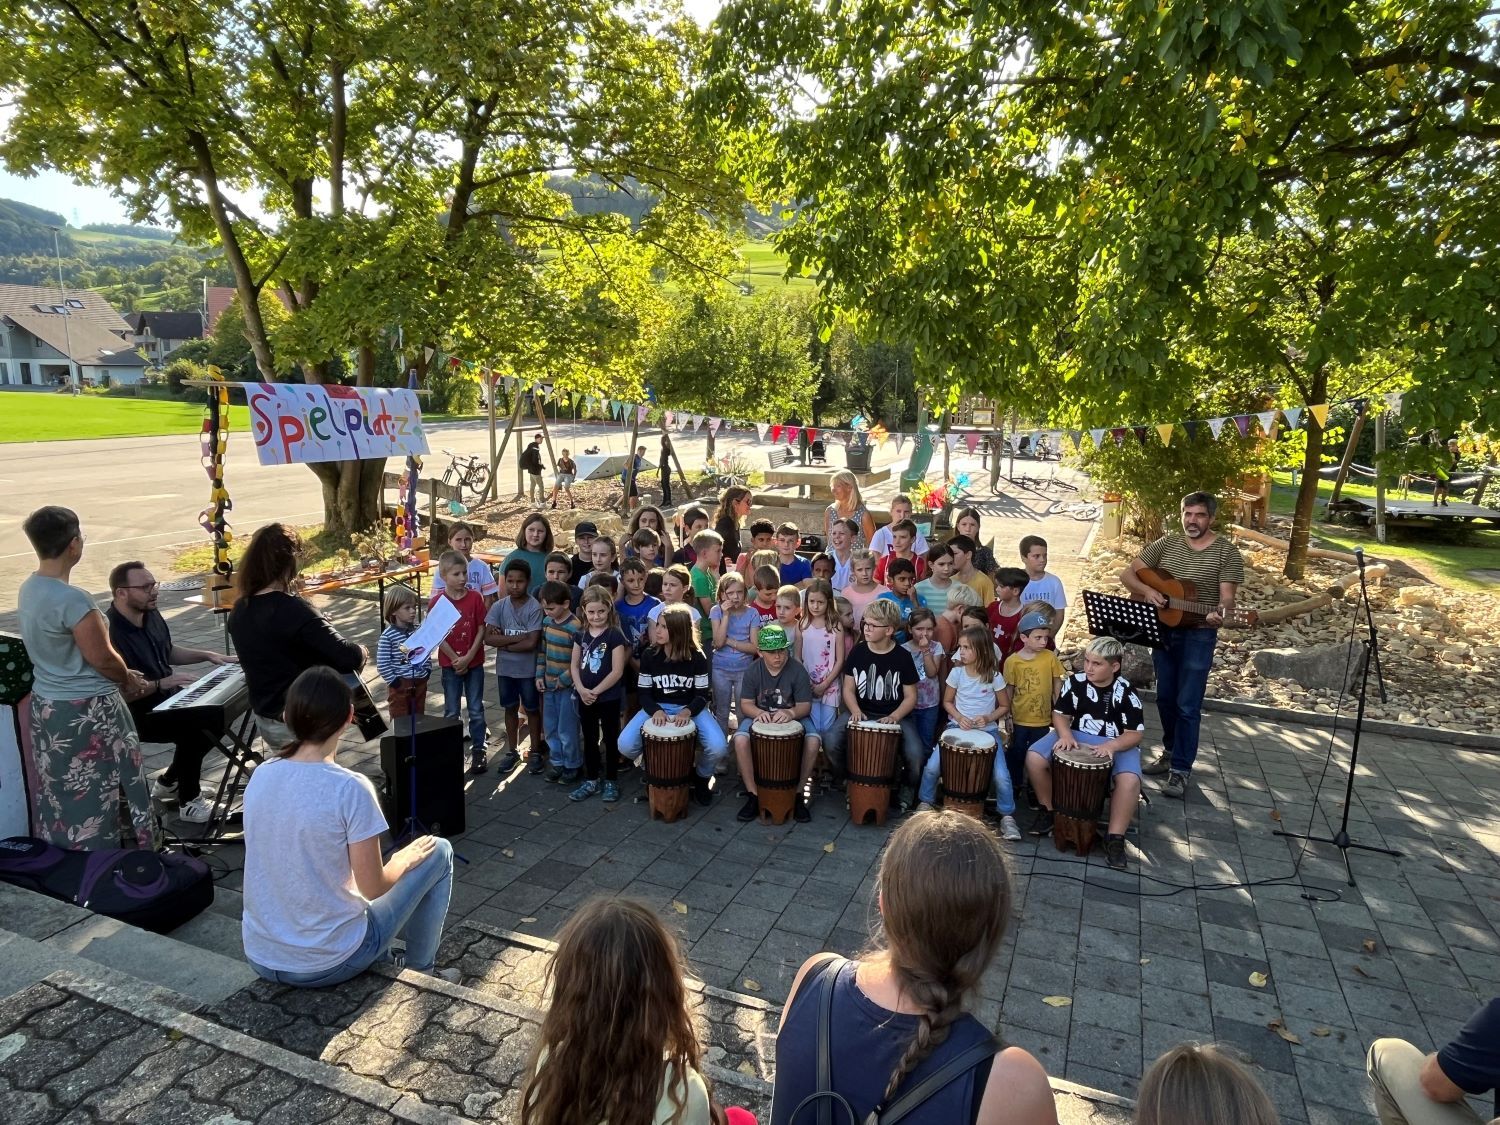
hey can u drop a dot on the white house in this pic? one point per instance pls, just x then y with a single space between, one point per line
48 339
159 334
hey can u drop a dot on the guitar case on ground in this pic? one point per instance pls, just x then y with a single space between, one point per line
156 891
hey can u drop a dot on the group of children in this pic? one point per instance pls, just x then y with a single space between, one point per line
591 647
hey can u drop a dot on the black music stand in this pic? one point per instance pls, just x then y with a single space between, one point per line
1128 621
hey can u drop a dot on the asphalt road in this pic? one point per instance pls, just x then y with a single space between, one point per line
140 497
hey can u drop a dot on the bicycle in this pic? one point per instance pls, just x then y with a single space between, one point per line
1082 510
472 473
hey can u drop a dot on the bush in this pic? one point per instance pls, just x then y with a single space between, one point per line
1152 478
180 370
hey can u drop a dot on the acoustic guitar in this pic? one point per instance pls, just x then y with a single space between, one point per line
1183 606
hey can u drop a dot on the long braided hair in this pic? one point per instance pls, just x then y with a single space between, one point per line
945 903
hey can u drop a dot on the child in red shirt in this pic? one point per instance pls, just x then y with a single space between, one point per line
461 655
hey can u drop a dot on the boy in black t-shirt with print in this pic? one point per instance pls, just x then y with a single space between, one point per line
1098 709
880 684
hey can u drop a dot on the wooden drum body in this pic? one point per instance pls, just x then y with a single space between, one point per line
667 754
1080 784
967 761
872 762
776 755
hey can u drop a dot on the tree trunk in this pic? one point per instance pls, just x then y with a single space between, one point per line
1348 458
351 495
1307 491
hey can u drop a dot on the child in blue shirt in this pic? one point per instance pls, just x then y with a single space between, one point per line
901 576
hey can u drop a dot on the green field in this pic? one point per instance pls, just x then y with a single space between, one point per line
762 268
31 416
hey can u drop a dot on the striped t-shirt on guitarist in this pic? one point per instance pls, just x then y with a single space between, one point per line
1219 562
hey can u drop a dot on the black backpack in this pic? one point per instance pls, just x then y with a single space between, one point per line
906 1101
156 891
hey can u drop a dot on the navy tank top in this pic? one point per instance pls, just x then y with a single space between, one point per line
867 1042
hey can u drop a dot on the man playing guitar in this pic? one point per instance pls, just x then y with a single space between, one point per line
1209 563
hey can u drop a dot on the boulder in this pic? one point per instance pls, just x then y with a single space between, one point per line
1136 666
1321 666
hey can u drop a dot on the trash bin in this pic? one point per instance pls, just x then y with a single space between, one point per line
857 457
1112 521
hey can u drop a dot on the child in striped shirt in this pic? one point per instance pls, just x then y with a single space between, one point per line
406 693
554 680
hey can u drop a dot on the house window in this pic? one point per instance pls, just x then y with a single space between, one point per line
4 372
74 303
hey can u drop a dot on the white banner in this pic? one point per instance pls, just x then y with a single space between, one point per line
295 423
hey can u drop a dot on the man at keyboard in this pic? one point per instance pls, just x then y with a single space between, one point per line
141 636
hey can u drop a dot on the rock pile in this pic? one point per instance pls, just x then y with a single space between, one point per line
1440 650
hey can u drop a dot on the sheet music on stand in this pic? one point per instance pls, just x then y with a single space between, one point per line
1128 621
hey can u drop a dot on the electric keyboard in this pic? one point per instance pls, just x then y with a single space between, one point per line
217 698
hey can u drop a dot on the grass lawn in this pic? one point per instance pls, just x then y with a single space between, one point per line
763 267
1444 554
319 552
54 417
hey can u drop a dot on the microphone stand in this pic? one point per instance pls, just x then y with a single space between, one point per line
1341 838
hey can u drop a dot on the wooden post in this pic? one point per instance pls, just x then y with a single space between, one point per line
1348 459
493 492
635 429
687 489
541 416
490 392
1379 476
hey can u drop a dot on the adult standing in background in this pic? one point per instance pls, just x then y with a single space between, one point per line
1215 568
531 462
140 634
91 782
666 474
848 504
734 506
278 635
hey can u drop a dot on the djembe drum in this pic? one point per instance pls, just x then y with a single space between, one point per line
967 762
667 753
776 756
1080 783
872 762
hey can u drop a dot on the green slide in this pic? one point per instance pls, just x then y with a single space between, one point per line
921 457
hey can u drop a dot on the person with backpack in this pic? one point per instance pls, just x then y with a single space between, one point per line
886 1038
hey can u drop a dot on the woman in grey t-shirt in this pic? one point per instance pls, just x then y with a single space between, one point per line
320 904
92 790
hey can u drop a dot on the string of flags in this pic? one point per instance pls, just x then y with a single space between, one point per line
1268 421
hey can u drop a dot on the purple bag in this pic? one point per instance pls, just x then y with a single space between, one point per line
156 891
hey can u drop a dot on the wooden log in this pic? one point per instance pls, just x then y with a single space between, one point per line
1241 532
1340 587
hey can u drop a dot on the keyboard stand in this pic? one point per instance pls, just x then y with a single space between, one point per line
237 744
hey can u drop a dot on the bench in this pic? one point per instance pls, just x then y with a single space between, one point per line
781 457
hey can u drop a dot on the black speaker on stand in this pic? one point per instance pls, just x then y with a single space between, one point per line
423 761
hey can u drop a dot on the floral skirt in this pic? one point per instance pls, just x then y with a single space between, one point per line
91 786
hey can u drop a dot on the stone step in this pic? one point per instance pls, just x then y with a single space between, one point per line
203 973
76 1048
741 1028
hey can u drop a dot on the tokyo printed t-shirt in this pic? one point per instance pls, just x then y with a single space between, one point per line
879 678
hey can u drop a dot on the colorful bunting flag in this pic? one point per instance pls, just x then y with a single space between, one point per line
761 428
791 434
697 422
1393 401
900 441
1098 436
776 432
1165 431
1217 426
714 425
1243 422
1191 426
971 439
1267 420
1320 412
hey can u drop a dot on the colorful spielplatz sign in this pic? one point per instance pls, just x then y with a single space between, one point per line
294 424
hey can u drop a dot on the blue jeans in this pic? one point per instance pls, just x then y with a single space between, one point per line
927 724
712 746
1021 739
560 728
726 684
913 750
1182 666
414 909
1125 761
469 687
1005 794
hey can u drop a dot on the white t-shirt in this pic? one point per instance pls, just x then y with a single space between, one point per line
1048 588
303 912
656 611
972 696
881 543
480 579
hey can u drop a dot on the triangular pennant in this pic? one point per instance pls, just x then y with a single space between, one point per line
1098 436
714 424
812 435
1267 419
683 421
1140 434
1243 422
900 441
1293 416
1076 437
1393 402
971 439
953 440
669 419
1118 433
1217 426
761 428
697 422
641 412
776 432
1165 430
791 434
1192 429
1319 412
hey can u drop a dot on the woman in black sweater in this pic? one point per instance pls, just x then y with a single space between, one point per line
276 634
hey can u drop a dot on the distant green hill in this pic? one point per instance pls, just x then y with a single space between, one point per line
25 229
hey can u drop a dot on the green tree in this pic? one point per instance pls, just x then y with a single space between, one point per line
1040 197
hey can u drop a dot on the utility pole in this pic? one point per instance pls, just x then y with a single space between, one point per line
63 304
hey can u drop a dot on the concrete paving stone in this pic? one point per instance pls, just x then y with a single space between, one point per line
1047 976
747 921
1416 1033
1367 969
1385 909
1112 976
522 897
1409 937
1104 1049
1319 1005
1095 941
1288 969
1451 1004
787 948
1340 938
1480 968
1338 1045
800 917
1116 895
1122 1085
1187 1011
1290 939
1285 1092
1479 939
774 975
1249 1004
1225 968
1343 1088
1365 999
1171 941
1049 1050
1281 912
702 895
1214 909
1169 913
1111 1010
552 873
1041 941
1233 941
1024 1008
1256 1042
1159 971
766 895
846 943
1121 919
1159 1038
727 950
671 871
1421 969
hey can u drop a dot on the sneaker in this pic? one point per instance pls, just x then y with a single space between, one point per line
479 763
509 762
1176 785
906 799
452 976
584 791
926 806
1031 802
1114 852
195 811
702 792
1042 825
611 793
536 762
1158 766
553 775
749 811
571 777
1009 829
164 791
800 812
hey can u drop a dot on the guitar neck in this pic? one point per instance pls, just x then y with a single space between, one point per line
1201 608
